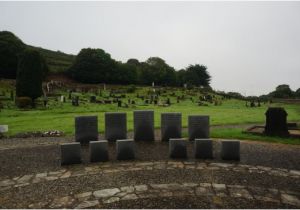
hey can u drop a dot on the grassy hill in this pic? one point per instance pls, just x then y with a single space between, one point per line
57 61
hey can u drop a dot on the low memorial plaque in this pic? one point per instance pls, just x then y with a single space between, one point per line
70 153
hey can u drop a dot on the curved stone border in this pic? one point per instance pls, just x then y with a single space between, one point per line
105 196
104 168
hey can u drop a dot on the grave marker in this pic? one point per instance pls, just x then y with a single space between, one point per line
170 126
115 126
198 127
86 129
143 125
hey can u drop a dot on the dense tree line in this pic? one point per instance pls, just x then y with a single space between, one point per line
97 66
32 68
11 47
284 91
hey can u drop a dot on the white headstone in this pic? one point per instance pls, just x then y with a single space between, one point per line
152 84
3 128
61 98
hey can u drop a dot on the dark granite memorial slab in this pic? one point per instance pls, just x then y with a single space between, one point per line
230 150
125 149
276 122
203 148
70 153
115 126
143 125
177 148
170 126
198 127
86 129
98 151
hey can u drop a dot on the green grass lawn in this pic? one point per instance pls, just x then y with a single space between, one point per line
60 116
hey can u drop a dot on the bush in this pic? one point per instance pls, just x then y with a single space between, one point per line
10 49
131 89
23 102
31 71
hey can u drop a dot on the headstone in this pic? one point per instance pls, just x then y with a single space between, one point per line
70 153
70 94
203 148
119 103
98 151
170 126
3 128
115 126
92 99
276 122
86 129
230 150
62 98
125 149
177 148
143 125
12 95
198 127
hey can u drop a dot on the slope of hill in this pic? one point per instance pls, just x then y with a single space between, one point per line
58 62
11 47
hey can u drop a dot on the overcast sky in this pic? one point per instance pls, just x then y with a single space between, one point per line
249 47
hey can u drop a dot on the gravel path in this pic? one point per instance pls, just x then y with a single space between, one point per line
20 161
267 176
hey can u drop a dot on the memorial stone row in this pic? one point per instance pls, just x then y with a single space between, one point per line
125 148
86 127
86 131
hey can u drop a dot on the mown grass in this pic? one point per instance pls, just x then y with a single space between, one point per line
60 116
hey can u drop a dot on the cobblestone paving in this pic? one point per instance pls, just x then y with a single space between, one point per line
106 197
96 199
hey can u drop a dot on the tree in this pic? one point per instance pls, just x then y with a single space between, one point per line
93 66
133 61
297 93
158 71
181 77
31 71
282 91
197 75
10 49
125 74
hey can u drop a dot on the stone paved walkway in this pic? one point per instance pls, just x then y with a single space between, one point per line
81 186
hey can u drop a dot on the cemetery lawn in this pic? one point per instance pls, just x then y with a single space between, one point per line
60 116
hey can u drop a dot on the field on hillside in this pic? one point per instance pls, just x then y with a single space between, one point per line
60 115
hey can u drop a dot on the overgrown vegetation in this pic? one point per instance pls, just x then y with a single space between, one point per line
32 68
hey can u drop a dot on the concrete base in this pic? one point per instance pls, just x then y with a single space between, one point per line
230 150
125 149
70 153
203 148
98 151
177 148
